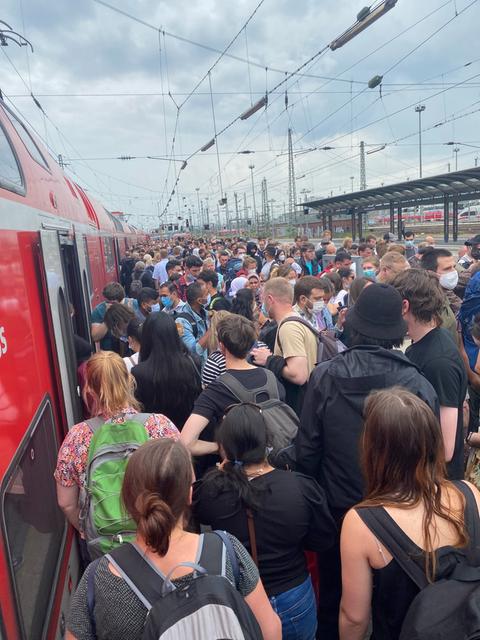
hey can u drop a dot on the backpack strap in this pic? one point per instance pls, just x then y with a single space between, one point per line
472 521
94 424
392 537
141 577
251 535
305 323
231 554
189 318
250 395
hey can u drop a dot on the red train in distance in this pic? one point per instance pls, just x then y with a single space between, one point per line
58 249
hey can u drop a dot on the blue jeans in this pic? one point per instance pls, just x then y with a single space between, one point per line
297 611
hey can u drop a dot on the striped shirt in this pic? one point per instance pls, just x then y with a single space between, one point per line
215 365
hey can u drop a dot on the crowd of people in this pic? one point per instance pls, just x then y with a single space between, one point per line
363 360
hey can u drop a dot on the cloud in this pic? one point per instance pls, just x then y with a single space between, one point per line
85 48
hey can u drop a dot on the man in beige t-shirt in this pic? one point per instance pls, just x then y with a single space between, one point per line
295 351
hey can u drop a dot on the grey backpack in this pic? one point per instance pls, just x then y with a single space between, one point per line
208 607
281 421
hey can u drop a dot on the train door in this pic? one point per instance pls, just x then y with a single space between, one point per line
67 304
85 273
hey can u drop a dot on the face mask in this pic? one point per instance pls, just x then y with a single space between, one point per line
209 299
166 301
369 273
409 243
293 282
281 258
449 280
318 306
264 310
190 278
155 308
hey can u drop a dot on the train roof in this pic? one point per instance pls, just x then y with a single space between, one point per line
36 180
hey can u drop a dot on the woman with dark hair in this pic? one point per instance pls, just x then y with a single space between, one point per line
408 491
244 304
156 492
117 317
275 514
167 377
134 336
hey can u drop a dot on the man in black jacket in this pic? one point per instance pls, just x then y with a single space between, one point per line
328 442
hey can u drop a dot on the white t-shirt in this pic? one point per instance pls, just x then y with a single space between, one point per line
131 361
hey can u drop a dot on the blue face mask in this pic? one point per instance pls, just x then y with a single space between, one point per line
409 243
264 310
369 273
166 301
155 308
209 299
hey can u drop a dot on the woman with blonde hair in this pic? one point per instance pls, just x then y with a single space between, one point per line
108 394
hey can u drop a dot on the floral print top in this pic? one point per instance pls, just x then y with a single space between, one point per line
73 454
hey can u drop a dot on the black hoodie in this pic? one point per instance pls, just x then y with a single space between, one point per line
328 441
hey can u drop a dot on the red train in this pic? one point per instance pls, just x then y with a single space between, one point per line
58 248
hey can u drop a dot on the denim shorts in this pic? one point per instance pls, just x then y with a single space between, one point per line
297 610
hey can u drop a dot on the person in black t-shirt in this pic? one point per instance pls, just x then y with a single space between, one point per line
288 513
236 336
437 356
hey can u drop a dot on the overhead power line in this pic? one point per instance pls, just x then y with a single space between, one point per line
260 65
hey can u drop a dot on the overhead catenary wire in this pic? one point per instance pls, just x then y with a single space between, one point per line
260 65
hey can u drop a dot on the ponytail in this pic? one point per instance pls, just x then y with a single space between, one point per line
156 490
156 521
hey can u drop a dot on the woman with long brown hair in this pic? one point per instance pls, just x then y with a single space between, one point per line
157 492
405 474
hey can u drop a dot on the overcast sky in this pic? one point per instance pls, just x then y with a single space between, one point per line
99 76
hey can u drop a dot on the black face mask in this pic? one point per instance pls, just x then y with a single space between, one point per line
476 253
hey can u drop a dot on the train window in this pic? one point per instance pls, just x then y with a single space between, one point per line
10 174
109 253
34 526
27 140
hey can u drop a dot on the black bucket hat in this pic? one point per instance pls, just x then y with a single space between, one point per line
378 313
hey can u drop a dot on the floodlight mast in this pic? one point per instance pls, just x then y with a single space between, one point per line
364 20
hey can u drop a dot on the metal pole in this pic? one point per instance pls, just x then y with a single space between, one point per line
419 110
252 167
200 217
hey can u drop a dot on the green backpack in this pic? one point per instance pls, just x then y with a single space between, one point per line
104 521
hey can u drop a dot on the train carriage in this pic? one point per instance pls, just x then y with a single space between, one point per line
58 249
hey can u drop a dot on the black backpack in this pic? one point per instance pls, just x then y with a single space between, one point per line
280 420
209 606
449 608
327 345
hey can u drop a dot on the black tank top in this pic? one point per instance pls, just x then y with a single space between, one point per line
394 590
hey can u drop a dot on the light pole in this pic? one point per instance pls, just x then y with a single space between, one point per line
252 167
352 178
455 151
200 217
419 109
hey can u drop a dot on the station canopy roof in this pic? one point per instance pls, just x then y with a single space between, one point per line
459 185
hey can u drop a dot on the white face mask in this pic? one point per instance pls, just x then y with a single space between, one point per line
293 282
449 280
318 306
